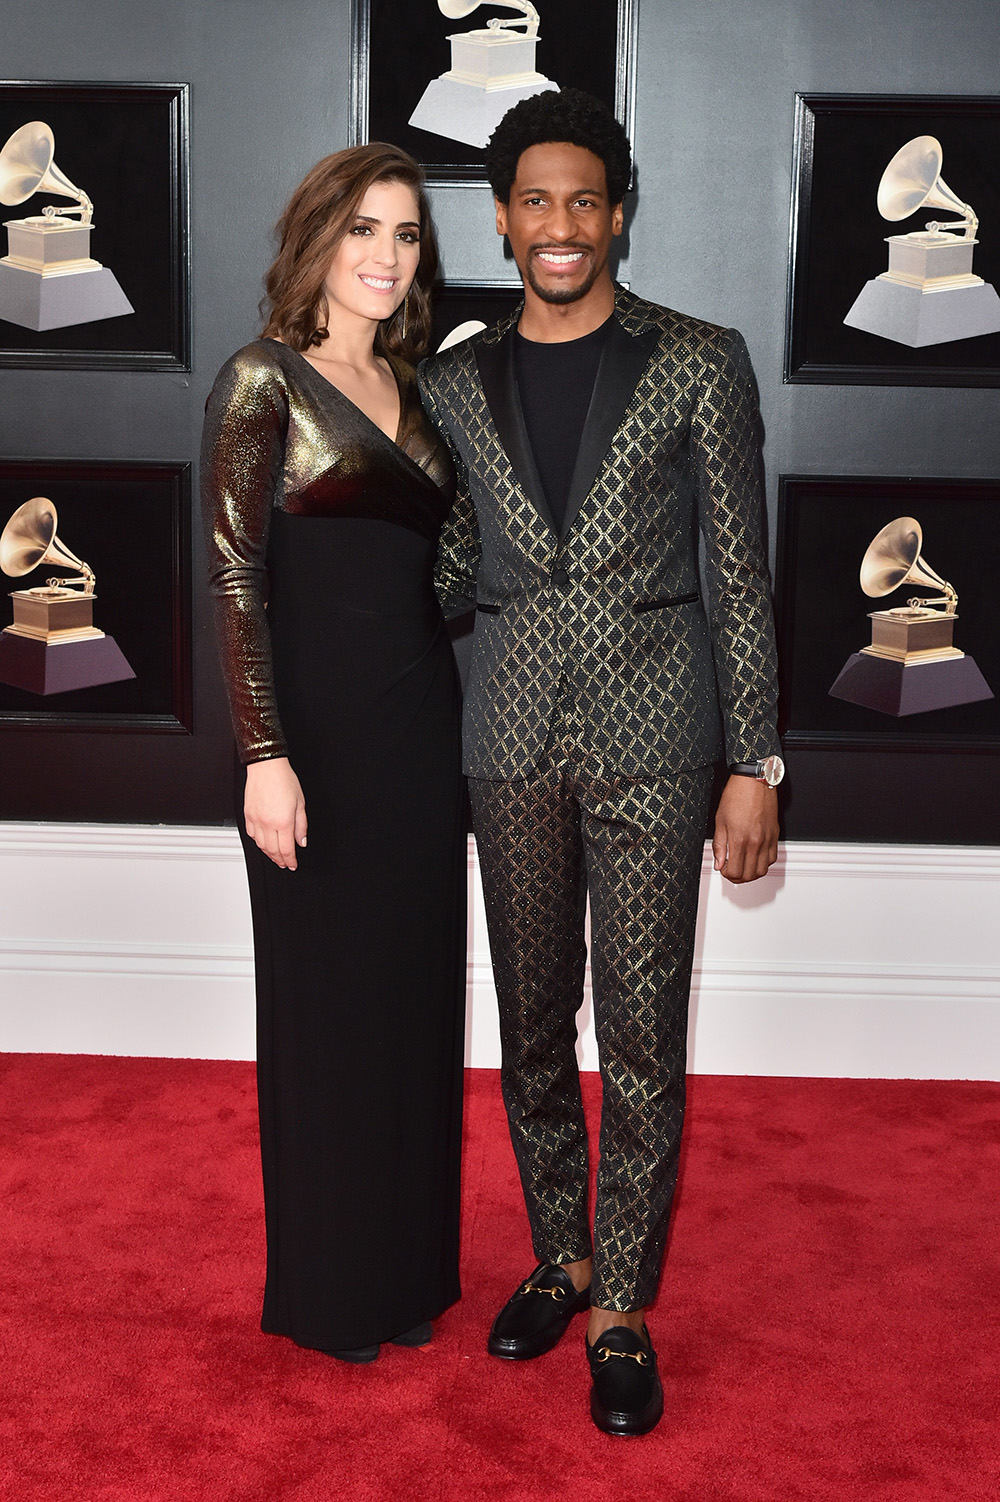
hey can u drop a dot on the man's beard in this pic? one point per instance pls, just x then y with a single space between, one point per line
560 294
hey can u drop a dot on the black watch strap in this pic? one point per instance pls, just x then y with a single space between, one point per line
770 769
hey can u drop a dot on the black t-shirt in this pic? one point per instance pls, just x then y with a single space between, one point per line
555 383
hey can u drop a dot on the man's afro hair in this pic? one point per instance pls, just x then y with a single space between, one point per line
559 115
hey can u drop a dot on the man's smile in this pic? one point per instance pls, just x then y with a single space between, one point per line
558 259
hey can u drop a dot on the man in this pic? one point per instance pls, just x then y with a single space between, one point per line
593 434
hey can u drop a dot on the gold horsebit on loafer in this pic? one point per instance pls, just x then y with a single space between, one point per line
554 1293
640 1356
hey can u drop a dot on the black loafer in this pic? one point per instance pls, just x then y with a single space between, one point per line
627 1395
538 1315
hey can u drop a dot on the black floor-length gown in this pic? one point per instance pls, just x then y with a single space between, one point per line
360 953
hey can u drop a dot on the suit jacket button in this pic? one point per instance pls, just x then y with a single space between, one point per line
560 578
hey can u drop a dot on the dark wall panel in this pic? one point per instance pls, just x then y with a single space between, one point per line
714 126
714 133
269 92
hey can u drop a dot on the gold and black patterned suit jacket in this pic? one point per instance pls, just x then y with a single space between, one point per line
608 615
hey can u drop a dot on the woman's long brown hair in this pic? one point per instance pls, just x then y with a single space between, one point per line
320 213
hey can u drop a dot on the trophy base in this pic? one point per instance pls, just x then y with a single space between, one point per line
469 112
38 302
59 667
53 614
910 634
917 316
899 688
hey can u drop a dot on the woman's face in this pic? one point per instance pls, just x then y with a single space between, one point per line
376 261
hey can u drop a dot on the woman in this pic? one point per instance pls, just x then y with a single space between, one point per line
324 492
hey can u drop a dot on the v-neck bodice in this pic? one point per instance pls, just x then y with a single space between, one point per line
336 460
286 452
398 382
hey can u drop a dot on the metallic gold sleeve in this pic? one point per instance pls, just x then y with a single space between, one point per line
241 465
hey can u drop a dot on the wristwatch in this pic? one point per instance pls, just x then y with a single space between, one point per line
771 770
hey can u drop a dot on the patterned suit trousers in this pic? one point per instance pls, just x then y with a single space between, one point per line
545 842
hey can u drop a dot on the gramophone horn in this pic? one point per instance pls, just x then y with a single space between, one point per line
456 9
913 178
893 558
29 539
26 167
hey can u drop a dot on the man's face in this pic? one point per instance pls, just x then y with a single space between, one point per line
559 220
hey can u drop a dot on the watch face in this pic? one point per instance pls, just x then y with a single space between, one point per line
772 770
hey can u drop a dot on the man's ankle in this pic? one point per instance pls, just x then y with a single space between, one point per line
603 1319
580 1272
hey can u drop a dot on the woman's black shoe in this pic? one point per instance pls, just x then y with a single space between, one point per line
360 1356
538 1315
627 1396
420 1335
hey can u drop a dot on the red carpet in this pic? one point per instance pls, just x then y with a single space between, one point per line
827 1325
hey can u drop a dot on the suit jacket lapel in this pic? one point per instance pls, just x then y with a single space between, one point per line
496 371
624 359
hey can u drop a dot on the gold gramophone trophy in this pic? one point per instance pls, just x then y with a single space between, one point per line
912 665
492 69
48 278
53 645
930 294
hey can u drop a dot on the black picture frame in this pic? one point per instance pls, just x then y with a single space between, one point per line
400 45
843 143
131 523
458 302
825 525
127 146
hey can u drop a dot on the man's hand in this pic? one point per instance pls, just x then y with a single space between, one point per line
746 829
275 810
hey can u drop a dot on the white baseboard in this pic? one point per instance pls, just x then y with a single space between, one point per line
846 960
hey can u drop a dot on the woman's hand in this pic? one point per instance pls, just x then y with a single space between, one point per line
275 810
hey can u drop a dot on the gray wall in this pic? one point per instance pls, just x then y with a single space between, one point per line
714 120
269 91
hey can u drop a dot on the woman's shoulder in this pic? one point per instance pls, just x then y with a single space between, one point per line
258 361
256 370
